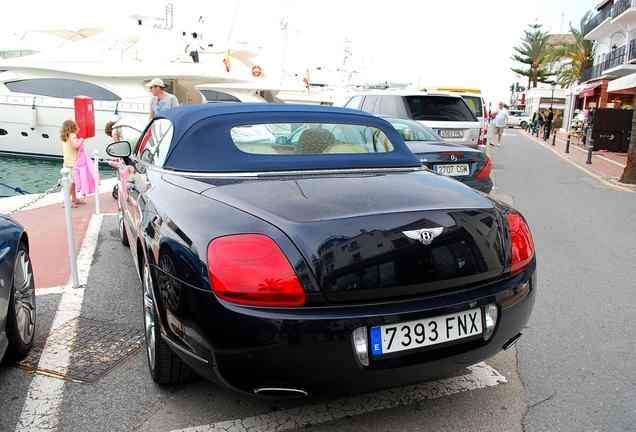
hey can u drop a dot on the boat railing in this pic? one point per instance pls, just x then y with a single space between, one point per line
42 101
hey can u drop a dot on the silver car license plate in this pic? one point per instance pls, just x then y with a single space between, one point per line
444 133
452 170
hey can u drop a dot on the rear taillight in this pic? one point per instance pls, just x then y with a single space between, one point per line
485 171
252 269
522 244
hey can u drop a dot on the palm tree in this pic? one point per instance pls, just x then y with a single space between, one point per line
569 57
532 52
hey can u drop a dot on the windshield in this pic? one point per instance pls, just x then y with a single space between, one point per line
309 138
413 131
443 108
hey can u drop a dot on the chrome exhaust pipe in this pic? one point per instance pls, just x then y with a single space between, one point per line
511 341
279 392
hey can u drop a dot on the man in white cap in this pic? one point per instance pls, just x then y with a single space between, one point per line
161 99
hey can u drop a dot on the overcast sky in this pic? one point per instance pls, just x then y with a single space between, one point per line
463 42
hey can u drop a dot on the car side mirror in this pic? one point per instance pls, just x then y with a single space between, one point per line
120 149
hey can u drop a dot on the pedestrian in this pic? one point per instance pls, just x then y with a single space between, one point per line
535 121
542 123
161 99
114 133
548 124
194 46
68 135
499 121
84 174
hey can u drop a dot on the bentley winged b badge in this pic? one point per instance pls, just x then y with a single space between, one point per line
424 235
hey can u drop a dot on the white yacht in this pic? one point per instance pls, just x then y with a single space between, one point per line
112 66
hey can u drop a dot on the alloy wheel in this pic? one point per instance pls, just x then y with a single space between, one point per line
149 316
24 297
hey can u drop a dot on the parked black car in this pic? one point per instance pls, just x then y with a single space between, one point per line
469 166
17 291
290 250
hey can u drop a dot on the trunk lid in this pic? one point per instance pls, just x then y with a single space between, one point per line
366 241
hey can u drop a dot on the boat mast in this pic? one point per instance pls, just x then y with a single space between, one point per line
285 25
233 21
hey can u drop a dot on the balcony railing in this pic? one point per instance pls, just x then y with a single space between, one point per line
611 12
599 18
621 6
620 56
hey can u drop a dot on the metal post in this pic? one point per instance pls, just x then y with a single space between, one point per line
554 137
69 225
567 145
590 149
96 153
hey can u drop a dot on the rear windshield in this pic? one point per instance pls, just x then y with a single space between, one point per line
309 138
441 108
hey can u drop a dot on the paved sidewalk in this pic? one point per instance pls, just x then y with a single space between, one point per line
45 222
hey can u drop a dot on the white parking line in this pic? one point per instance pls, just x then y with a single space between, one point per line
481 375
41 407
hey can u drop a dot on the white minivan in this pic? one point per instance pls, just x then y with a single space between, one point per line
446 113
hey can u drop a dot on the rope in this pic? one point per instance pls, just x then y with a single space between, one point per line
39 197
16 189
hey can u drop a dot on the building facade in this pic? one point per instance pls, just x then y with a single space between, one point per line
611 81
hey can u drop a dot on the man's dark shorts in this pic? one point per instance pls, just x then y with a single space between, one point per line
195 56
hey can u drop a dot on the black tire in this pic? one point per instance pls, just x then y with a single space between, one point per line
123 237
172 291
115 192
21 312
523 125
165 367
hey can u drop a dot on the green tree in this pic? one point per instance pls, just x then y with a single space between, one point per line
569 57
532 52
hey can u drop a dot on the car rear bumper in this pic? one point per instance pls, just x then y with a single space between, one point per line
482 185
249 348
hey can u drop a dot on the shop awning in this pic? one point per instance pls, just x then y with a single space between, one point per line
589 90
626 82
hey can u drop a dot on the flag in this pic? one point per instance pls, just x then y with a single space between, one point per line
306 79
226 60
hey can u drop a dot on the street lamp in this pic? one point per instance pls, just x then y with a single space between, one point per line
553 86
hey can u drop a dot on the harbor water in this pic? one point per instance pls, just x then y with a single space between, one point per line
35 176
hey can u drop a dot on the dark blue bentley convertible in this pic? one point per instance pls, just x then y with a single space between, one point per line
288 250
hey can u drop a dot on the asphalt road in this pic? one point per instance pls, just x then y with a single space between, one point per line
572 370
